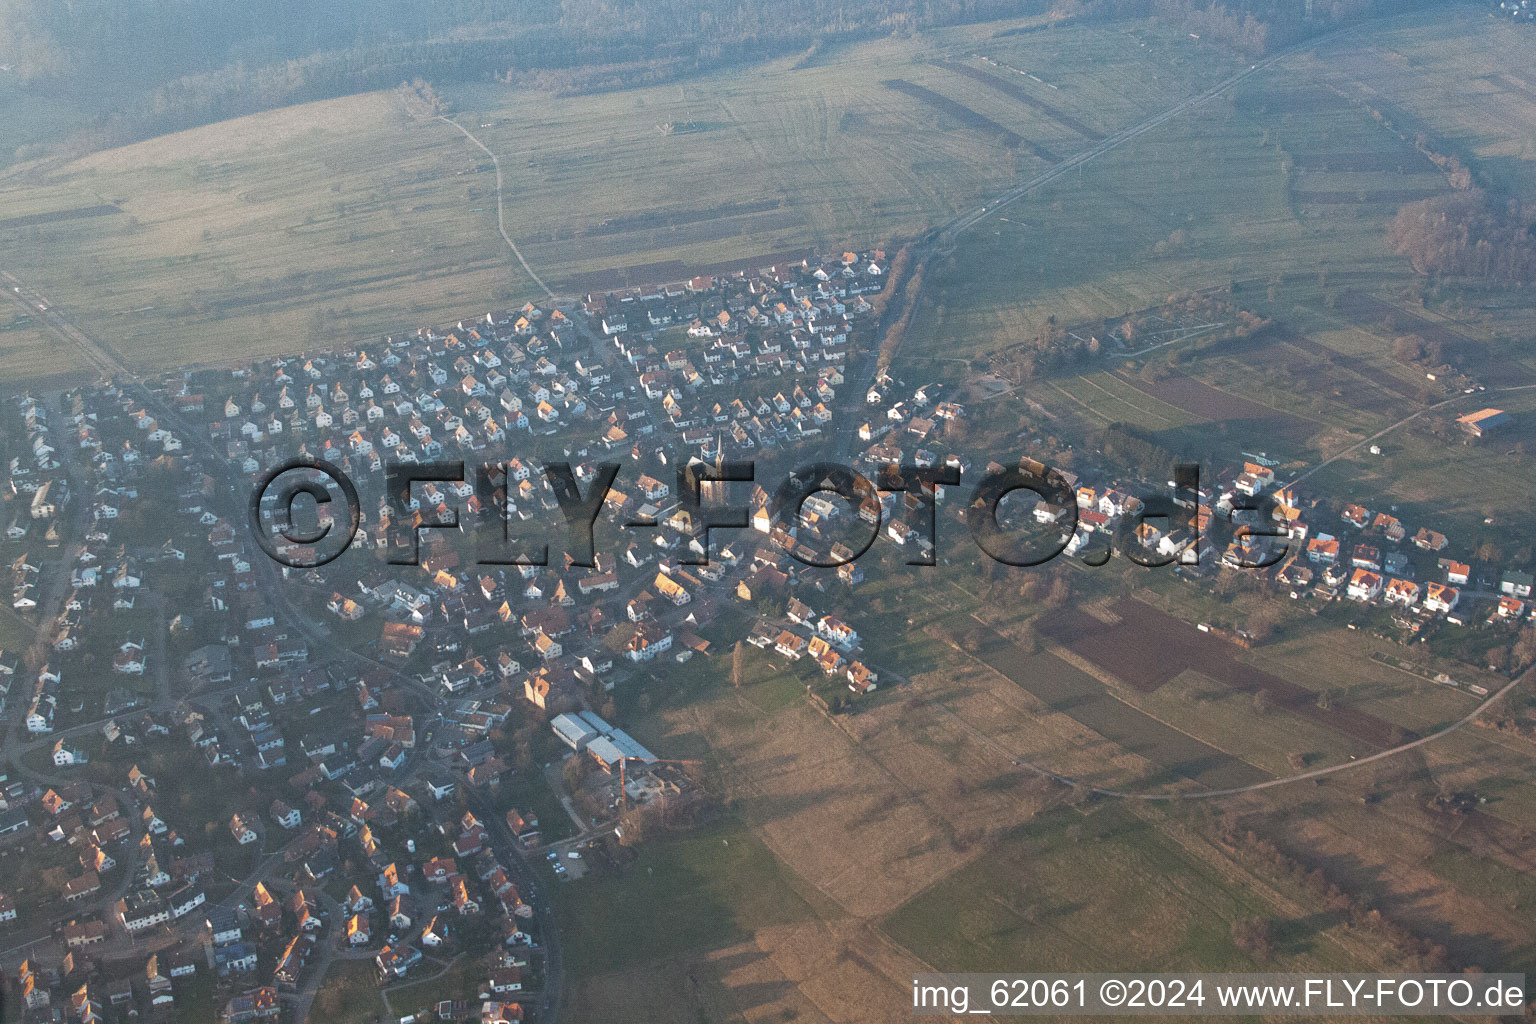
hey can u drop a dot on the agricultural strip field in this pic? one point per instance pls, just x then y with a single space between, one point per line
1109 240
965 115
1390 197
1462 79
1392 395
1019 93
1087 700
1124 650
1112 399
1161 899
1474 357
674 270
55 216
1284 351
1210 404
1106 80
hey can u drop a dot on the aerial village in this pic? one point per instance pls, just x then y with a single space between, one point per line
392 759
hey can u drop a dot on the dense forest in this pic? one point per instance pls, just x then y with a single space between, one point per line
146 67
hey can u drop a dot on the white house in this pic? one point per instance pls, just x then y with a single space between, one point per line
243 833
65 756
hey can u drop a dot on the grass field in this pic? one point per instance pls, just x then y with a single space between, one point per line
350 994
709 889
32 352
264 234
460 978
1153 905
714 926
1465 79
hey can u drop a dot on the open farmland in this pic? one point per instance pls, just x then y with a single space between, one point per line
266 233
348 219
1184 207
1162 899
32 352
1018 92
1099 81
1087 700
1111 241
965 116
1475 358
1464 79
1146 648
1452 880
1211 405
1245 172
1110 399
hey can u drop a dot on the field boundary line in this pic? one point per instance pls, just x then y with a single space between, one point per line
1114 397
1220 390
1115 685
1090 409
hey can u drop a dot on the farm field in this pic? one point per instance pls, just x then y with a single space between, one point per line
1228 718
1467 80
32 352
1239 415
713 887
265 234
339 221
1160 900
728 924
1086 700
1109 398
1436 872
1316 383
1102 241
845 818
833 150
1122 649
